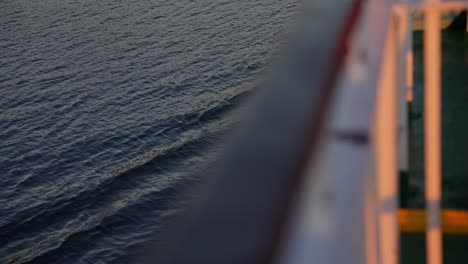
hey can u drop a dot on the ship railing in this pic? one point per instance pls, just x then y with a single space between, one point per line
365 143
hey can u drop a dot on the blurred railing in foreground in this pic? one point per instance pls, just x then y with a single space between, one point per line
312 174
366 212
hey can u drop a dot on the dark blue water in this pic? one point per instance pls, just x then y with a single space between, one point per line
108 107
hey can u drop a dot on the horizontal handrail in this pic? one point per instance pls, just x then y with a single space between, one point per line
454 222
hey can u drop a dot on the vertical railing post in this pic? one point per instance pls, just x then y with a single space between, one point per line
432 130
404 47
386 151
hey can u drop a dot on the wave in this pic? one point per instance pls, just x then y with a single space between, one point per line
152 169
101 223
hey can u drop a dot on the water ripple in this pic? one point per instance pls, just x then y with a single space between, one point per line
106 109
